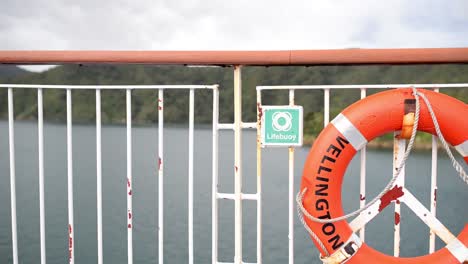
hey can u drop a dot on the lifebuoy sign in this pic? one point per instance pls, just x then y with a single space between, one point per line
281 125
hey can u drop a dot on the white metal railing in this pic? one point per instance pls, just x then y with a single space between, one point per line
98 88
11 140
98 175
237 196
358 224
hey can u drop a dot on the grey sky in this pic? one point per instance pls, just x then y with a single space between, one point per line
240 24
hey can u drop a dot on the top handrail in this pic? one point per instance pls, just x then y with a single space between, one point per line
226 58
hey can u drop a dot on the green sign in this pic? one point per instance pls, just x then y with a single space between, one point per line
282 125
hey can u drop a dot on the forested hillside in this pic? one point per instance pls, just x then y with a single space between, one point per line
176 102
11 71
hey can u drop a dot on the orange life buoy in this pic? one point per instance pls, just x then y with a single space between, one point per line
344 136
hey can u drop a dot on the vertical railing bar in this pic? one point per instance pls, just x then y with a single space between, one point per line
190 176
11 140
259 177
71 228
362 183
291 192
129 178
399 146
40 140
99 175
214 187
433 207
160 176
326 106
238 164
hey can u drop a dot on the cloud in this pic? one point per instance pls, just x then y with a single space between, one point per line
242 24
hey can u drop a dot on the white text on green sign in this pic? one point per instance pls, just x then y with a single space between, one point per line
282 125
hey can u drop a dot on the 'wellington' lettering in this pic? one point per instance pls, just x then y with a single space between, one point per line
321 189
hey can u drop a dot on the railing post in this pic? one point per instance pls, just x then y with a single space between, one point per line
190 175
259 177
40 140
326 107
99 175
160 176
71 227
362 175
129 178
291 192
11 140
214 187
238 163
433 205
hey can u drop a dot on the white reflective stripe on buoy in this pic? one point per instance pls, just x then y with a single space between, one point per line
458 250
463 148
351 133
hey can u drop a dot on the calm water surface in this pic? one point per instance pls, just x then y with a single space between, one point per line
451 196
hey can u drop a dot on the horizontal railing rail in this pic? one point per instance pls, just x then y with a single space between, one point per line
105 87
362 86
279 57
